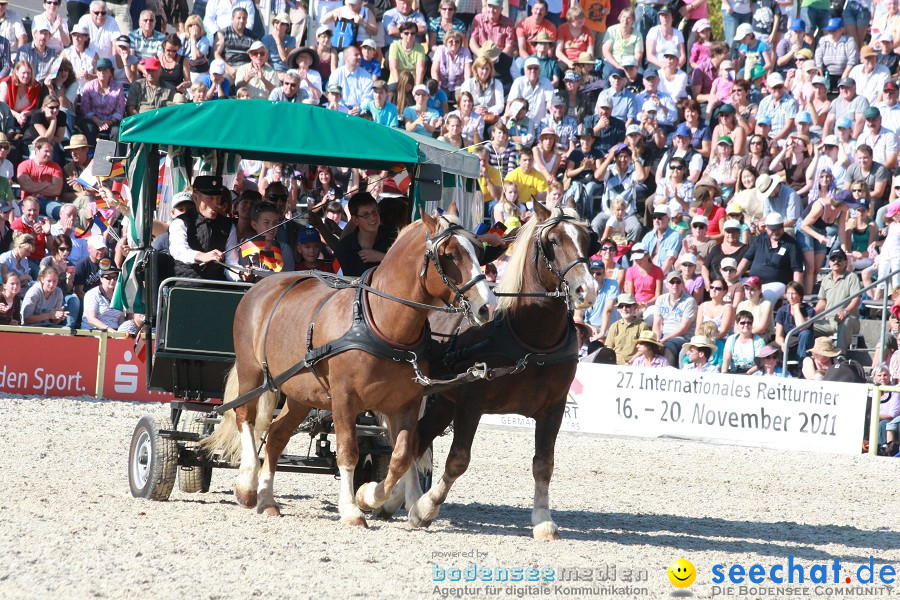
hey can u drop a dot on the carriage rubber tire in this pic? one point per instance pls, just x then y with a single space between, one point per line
152 460
194 479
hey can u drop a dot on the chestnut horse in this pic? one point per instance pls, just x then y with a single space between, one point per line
547 275
428 264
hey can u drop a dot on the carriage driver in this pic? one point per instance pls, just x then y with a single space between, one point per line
199 237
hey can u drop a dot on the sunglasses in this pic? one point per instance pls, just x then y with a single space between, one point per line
837 259
677 168
716 288
99 12
756 142
609 249
52 3
729 269
774 227
276 197
699 225
859 190
745 323
110 277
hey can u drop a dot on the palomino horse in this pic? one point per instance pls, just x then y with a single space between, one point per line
427 265
547 275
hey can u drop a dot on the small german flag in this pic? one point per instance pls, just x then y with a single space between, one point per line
270 258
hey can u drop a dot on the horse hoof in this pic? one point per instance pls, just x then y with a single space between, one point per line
354 522
415 520
365 499
270 511
245 499
546 531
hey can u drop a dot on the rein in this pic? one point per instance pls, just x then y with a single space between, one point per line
562 286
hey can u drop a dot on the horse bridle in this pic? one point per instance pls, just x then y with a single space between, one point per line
562 286
459 303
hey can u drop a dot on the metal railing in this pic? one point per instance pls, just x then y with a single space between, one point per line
827 312
875 416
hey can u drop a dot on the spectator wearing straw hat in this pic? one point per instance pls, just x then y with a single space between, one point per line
623 335
79 148
648 352
699 349
870 77
151 92
820 359
279 42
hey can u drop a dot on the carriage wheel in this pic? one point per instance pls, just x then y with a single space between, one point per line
195 479
152 460
371 467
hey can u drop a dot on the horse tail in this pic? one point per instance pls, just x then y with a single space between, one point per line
226 439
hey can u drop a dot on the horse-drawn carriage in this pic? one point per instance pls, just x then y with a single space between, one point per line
367 345
191 346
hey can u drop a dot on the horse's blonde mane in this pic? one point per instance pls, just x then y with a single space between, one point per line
514 276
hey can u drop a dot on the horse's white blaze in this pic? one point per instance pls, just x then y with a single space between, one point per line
484 291
249 469
346 504
487 296
584 279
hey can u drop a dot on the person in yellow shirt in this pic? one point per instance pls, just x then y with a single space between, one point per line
490 182
531 183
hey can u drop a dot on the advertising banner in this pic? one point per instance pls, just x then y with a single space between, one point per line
771 412
47 365
124 374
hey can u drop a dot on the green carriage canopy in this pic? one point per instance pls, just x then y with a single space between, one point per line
285 132
289 132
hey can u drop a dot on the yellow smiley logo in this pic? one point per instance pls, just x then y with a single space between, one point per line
682 573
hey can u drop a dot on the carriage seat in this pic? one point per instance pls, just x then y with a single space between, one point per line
194 345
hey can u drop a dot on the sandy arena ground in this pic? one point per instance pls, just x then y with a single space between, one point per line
69 527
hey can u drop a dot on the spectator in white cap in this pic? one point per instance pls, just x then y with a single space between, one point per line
778 107
257 76
55 24
690 274
102 30
884 45
420 117
697 241
775 257
279 42
624 103
643 279
354 80
82 57
752 51
38 54
218 86
662 243
666 111
533 87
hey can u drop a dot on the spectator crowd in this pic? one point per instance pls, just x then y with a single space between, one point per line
738 186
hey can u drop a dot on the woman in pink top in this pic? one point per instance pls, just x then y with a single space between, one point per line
643 279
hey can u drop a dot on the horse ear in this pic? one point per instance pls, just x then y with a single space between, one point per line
541 212
570 203
452 210
430 223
